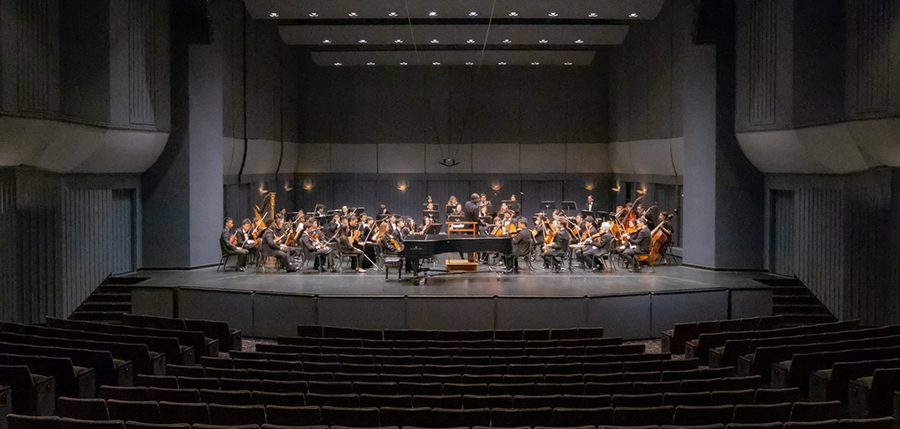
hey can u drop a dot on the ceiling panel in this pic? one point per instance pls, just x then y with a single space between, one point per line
453 58
453 34
454 9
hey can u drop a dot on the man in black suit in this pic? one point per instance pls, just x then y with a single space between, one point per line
521 246
230 249
268 247
471 215
322 254
639 244
590 206
553 257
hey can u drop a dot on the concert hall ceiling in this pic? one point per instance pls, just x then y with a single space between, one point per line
453 32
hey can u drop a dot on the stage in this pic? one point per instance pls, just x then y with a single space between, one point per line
632 305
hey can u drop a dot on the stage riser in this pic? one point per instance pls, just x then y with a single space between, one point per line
632 316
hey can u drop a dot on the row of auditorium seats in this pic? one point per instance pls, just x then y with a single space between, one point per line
370 417
197 339
725 348
263 397
229 338
459 335
672 340
743 343
160 349
457 351
366 366
411 344
436 388
22 422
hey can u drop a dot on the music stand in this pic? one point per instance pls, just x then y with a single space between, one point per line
449 209
434 228
512 205
569 205
548 206
433 214
360 210
332 212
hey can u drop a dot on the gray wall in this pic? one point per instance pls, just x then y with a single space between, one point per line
453 104
65 235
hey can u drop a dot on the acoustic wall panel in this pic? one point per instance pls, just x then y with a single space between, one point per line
667 309
354 158
236 308
495 158
587 158
401 158
532 313
374 312
291 310
314 158
626 316
542 158
436 312
762 72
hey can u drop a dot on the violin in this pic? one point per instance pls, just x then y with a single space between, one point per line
354 237
233 239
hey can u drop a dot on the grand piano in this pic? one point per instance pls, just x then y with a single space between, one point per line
418 247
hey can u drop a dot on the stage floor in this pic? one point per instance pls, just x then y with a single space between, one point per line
487 282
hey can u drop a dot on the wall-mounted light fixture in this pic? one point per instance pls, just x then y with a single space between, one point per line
402 185
589 186
262 188
496 185
308 185
288 187
618 187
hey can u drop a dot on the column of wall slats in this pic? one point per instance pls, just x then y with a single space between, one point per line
820 244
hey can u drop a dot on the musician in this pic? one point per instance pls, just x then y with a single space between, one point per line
457 210
600 246
322 253
319 211
389 244
586 254
343 244
331 228
540 231
513 205
230 249
471 215
268 247
521 246
244 238
451 206
638 245
666 227
590 207
556 250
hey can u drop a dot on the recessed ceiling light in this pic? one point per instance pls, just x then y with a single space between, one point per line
313 15
432 13
392 14
633 15
473 13
507 41
502 63
470 63
568 64
513 14
435 41
592 15
535 63
363 41
403 63
542 41
353 14
554 14
470 41
273 15
436 63
579 41
370 63
398 41
338 64
326 41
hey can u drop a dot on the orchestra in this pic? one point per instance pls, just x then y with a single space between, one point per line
592 239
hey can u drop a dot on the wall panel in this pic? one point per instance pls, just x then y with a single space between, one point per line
38 55
141 62
873 56
762 50
9 278
820 245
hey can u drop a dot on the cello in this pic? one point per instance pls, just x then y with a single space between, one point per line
658 238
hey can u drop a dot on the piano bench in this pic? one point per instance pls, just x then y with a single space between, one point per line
395 262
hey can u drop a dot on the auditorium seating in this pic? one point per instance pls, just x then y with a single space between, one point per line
34 393
70 380
830 384
229 339
196 339
673 340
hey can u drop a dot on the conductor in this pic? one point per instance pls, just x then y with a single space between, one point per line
471 215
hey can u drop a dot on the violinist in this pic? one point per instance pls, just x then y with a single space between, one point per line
556 250
345 247
245 236
319 211
521 246
268 247
452 204
540 233
331 228
586 254
389 244
229 248
638 244
310 242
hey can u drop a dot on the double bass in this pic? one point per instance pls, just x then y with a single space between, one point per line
658 238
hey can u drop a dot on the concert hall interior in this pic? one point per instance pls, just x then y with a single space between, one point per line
761 140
